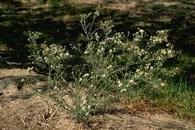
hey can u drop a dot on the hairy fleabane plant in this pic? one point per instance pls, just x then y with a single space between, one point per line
52 57
113 57
117 65
114 65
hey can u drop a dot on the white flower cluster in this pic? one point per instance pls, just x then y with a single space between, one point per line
162 36
116 52
89 104
33 36
34 48
85 107
106 27
51 56
54 55
139 35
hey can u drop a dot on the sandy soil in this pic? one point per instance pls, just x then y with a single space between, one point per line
24 108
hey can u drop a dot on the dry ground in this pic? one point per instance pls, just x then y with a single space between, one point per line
23 106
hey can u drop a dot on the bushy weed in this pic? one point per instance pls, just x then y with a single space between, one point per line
114 65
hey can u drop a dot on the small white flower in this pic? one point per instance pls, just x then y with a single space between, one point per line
22 80
88 107
86 75
123 90
110 66
141 72
55 87
131 81
104 75
83 108
97 13
151 67
80 79
141 31
137 70
120 83
30 69
162 84
87 113
169 52
67 54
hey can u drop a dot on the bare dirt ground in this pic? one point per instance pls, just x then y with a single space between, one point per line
22 106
